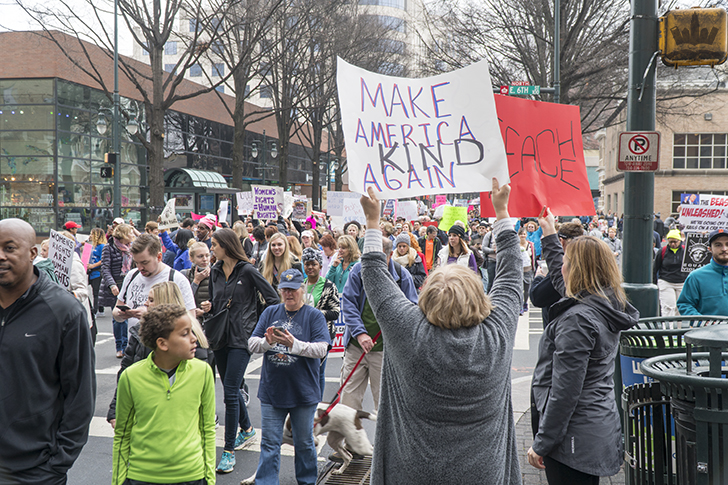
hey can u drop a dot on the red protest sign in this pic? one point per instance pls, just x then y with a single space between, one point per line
545 159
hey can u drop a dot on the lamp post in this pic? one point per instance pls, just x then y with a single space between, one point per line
258 149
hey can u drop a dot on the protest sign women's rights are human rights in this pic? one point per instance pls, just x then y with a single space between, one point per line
409 137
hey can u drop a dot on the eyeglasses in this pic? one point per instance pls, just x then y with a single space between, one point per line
564 236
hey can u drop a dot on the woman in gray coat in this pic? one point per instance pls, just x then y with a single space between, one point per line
579 434
445 408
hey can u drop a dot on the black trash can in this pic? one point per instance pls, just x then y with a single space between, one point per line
697 385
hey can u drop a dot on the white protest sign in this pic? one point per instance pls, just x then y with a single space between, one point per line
245 203
407 209
390 207
287 204
409 137
222 212
168 217
267 200
335 203
704 213
353 211
60 252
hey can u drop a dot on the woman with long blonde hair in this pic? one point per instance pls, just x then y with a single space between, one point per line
98 239
573 385
278 258
342 263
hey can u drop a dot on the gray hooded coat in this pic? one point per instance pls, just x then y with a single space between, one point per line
572 384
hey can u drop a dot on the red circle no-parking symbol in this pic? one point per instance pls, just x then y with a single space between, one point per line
638 144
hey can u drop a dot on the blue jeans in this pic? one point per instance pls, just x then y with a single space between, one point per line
231 364
121 335
272 421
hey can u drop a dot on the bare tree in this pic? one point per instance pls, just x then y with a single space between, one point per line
517 38
151 24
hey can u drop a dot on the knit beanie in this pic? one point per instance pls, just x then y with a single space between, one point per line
457 230
311 254
402 238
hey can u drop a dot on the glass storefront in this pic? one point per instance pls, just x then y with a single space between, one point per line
51 153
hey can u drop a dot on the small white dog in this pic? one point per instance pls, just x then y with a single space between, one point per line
345 433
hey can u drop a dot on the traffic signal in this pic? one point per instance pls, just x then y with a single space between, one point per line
694 37
107 172
111 158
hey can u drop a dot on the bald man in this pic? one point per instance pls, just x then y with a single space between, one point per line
47 380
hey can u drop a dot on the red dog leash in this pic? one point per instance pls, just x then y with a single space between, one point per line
337 398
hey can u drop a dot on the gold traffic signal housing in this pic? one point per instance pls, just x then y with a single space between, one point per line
694 37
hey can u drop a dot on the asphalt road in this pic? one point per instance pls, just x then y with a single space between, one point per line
94 465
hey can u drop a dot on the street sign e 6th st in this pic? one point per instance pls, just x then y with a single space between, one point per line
523 90
639 151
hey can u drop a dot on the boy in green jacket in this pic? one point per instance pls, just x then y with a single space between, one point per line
165 408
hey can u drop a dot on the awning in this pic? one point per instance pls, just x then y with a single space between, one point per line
193 180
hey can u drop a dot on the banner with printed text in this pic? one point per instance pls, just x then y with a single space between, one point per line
545 159
409 137
703 213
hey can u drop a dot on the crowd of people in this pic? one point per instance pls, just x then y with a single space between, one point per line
197 302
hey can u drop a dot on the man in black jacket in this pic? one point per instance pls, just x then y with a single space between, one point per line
667 273
543 294
47 380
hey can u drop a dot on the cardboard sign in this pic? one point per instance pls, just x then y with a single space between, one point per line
245 203
86 255
299 209
336 201
222 212
267 200
408 137
168 217
324 196
710 212
353 211
390 207
287 204
545 159
697 252
60 253
451 214
407 209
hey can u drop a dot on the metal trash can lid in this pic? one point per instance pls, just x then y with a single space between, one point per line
715 336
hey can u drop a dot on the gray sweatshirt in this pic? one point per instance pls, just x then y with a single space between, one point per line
445 411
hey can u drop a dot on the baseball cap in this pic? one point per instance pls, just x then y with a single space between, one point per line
716 234
291 279
118 220
71 225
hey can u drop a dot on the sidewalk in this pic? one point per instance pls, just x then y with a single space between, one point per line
532 476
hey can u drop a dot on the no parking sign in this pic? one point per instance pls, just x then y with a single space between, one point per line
638 151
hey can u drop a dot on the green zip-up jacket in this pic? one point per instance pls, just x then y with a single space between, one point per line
165 434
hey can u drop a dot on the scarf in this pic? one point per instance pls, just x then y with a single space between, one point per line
407 260
125 256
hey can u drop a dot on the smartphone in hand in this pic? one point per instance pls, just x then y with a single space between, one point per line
123 308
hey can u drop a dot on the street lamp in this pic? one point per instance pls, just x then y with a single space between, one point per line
263 149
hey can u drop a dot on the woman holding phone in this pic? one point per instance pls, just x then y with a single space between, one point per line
234 283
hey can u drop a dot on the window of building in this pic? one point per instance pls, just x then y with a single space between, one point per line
145 49
218 70
609 202
220 89
391 46
391 23
195 25
266 91
401 4
391 69
677 197
170 48
247 91
699 151
217 24
170 68
196 70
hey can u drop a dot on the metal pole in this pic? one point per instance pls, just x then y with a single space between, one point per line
639 187
557 51
265 147
115 124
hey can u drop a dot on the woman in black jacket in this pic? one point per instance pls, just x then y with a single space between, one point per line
116 261
579 433
235 280
407 256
